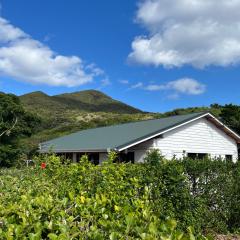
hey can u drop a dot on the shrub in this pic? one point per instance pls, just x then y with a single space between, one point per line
83 201
153 157
119 201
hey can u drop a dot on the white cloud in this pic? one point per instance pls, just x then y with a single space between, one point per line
173 96
105 82
155 87
124 82
188 32
48 37
181 86
137 85
185 86
96 70
26 59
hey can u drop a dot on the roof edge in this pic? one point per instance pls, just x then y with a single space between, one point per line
224 128
155 134
74 151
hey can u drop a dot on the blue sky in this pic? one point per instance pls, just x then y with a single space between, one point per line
153 54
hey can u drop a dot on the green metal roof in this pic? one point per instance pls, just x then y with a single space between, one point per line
114 137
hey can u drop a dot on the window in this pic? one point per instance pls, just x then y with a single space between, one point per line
202 155
229 157
197 155
192 155
69 156
64 156
79 155
126 157
92 157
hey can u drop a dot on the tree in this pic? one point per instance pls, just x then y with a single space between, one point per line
230 115
15 123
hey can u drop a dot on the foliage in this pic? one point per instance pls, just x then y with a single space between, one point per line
120 201
87 101
15 123
231 116
215 183
229 113
204 193
84 201
153 157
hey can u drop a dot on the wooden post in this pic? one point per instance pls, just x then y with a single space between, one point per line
74 157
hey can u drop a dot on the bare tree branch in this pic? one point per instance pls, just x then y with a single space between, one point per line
8 131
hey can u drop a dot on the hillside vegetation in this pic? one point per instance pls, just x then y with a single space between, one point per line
84 101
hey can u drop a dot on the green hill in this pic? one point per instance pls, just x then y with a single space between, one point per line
84 101
70 112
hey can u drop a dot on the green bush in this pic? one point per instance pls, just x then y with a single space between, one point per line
83 201
120 201
215 184
153 157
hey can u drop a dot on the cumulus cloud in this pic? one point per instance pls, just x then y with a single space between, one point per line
186 86
182 86
96 70
188 32
29 60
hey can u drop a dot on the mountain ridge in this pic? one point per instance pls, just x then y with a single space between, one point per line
86 101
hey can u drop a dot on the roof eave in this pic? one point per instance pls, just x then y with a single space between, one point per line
223 127
208 115
155 134
73 150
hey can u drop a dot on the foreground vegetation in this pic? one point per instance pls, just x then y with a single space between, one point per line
155 200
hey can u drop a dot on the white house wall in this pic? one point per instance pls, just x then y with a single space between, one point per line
200 136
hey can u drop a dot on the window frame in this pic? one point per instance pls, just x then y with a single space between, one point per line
197 155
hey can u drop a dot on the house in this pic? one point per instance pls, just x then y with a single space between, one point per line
193 135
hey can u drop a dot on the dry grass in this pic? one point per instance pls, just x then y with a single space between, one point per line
227 237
